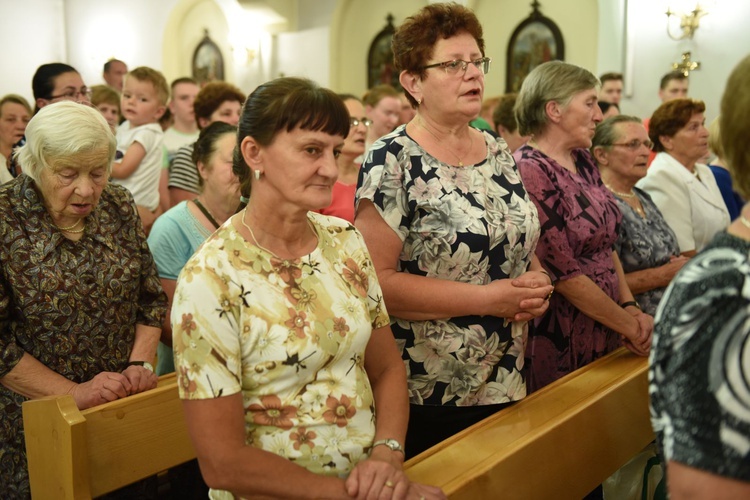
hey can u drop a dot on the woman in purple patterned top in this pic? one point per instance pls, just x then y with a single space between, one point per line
557 106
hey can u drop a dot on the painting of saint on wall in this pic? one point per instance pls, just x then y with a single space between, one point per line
535 41
380 68
208 63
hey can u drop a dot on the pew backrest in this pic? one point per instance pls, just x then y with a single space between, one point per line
75 454
560 442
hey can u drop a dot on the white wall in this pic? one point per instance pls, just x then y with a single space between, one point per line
131 30
303 54
722 40
32 32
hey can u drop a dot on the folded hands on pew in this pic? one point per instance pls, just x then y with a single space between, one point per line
640 344
110 386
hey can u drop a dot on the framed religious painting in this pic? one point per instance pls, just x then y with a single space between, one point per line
380 67
535 41
208 63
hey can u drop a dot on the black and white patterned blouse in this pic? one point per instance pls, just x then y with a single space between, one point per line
470 224
699 374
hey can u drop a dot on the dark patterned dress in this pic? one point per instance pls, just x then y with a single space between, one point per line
71 305
580 221
645 243
699 369
471 224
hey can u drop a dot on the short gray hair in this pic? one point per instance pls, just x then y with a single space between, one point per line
551 81
63 130
606 132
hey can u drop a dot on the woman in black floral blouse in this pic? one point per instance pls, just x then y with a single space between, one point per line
81 306
452 232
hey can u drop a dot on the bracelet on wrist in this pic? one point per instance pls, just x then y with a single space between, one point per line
145 364
551 281
630 303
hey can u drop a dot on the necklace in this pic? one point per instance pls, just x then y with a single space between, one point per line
206 212
69 229
255 240
460 160
631 194
631 199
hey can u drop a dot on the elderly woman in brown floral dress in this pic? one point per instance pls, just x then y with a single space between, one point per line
81 306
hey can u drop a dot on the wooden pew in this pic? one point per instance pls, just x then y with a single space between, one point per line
75 454
560 442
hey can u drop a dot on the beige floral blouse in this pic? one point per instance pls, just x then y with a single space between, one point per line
290 335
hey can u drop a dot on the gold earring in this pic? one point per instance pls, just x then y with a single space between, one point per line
257 174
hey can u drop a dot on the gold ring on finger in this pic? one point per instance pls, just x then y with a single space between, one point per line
389 483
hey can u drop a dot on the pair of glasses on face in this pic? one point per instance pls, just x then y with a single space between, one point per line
74 95
459 66
353 122
635 144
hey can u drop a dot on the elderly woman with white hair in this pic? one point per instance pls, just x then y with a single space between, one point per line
81 305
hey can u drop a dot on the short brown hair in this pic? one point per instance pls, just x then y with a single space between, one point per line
373 96
213 95
414 41
670 117
104 94
735 107
503 114
155 78
610 77
285 104
672 75
16 99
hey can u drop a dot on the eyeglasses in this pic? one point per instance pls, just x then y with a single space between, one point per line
458 65
353 122
635 144
74 95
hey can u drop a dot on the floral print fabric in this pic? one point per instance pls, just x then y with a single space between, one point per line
471 224
290 335
580 221
71 305
698 367
644 243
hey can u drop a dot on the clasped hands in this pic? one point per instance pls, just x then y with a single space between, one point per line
109 386
522 298
382 477
641 343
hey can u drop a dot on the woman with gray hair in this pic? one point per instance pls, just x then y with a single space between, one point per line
646 245
594 310
81 306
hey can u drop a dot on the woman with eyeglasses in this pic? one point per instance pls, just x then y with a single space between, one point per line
51 83
452 232
342 196
593 312
58 82
646 245
684 189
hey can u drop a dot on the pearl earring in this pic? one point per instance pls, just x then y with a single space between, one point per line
257 175
419 101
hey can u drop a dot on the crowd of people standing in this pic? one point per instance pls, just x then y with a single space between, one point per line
339 289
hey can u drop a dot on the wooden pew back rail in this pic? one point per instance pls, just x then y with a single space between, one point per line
560 442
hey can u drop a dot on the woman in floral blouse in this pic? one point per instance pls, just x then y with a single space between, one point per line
593 311
281 340
81 306
452 234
